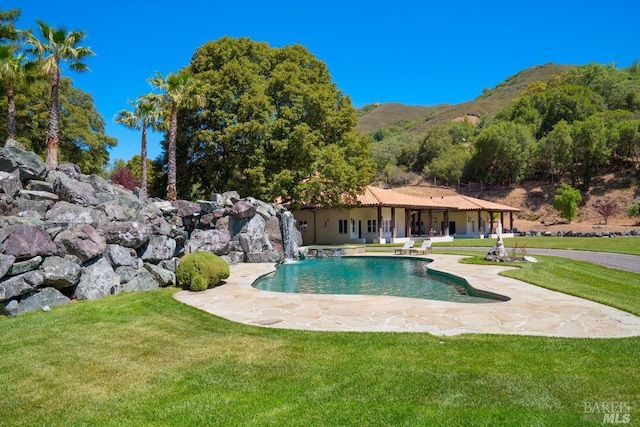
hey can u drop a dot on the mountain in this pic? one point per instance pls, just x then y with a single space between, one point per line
416 119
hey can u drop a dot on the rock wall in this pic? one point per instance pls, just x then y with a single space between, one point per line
65 235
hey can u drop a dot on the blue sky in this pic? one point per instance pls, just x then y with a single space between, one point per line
411 52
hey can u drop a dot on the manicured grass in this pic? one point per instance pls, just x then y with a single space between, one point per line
624 245
146 359
616 288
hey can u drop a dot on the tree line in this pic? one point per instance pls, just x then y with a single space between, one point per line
45 113
570 128
266 122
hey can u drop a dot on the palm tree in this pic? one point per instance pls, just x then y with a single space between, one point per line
146 113
12 68
57 45
180 90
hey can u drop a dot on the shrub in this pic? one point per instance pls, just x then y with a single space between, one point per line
124 177
606 208
566 201
634 210
200 270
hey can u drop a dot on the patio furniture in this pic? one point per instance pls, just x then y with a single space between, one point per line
408 245
426 246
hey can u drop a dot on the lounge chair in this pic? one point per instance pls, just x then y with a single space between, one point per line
426 246
405 249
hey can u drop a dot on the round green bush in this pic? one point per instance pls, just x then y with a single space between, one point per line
200 270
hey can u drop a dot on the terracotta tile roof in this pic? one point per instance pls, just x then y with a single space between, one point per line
375 196
467 203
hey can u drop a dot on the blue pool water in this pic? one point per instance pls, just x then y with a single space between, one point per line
394 276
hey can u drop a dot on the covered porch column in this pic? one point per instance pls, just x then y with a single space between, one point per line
379 224
490 222
407 222
445 220
393 224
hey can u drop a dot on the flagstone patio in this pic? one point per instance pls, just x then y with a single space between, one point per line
530 311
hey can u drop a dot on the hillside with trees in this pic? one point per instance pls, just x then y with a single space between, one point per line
571 126
580 126
393 118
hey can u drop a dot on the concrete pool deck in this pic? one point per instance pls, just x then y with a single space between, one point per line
531 311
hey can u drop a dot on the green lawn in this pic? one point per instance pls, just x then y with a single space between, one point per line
145 359
624 245
617 288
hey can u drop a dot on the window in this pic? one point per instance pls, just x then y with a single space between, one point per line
386 226
342 226
303 226
371 226
353 226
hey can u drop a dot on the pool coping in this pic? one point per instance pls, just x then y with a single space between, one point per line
531 310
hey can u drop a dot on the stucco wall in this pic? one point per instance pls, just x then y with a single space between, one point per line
322 226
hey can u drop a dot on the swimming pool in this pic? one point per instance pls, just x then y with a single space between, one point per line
393 276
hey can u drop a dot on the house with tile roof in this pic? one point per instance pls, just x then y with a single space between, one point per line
386 216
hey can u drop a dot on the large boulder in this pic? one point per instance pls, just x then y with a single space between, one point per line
102 186
126 273
130 234
6 261
162 276
235 226
20 285
230 197
21 267
98 280
42 300
14 158
9 183
158 248
74 191
274 233
43 196
242 209
83 241
265 209
122 256
291 237
166 207
68 212
115 210
185 208
214 241
38 208
207 206
37 185
255 239
267 256
71 170
25 241
161 226
61 272
143 281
